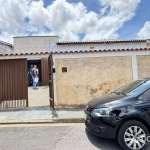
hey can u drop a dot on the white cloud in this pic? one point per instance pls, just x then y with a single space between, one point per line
12 18
65 19
144 32
6 37
38 15
112 17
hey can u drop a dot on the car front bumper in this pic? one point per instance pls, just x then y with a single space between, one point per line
98 127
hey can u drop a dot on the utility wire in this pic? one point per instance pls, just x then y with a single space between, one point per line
138 28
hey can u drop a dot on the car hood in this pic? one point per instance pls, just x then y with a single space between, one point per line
109 100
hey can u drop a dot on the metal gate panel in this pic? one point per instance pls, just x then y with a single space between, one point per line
13 89
44 64
51 84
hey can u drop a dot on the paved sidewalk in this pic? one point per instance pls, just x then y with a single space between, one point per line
40 115
39 97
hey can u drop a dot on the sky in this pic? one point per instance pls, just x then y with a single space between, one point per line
74 20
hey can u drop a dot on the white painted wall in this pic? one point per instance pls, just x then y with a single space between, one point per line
33 43
107 46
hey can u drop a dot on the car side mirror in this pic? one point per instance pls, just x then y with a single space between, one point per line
140 97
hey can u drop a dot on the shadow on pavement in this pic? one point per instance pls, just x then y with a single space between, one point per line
102 143
54 113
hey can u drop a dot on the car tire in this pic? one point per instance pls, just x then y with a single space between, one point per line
131 135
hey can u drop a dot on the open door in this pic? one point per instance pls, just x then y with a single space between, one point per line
51 84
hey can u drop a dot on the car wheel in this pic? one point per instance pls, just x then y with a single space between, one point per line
132 136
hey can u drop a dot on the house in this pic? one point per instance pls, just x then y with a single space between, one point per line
80 71
36 50
14 90
88 69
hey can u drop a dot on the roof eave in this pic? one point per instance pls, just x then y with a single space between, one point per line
99 42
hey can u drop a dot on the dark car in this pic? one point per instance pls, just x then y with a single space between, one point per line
123 114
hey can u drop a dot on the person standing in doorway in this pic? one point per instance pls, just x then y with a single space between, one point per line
30 75
34 75
37 72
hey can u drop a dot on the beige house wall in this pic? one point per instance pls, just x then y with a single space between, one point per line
143 63
34 43
87 78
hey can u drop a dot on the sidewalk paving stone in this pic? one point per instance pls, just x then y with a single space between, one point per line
40 114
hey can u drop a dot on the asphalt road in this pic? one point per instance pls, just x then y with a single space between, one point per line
52 137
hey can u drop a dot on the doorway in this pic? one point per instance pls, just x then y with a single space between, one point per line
36 62
40 96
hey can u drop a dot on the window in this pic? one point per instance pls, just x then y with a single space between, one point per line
64 69
145 95
134 88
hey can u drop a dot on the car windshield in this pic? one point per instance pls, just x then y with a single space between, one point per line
133 88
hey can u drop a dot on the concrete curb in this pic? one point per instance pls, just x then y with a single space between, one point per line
68 120
55 120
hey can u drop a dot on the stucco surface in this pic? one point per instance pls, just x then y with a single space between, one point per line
87 78
33 44
143 63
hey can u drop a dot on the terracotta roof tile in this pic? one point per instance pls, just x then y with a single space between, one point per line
108 50
99 41
80 51
21 54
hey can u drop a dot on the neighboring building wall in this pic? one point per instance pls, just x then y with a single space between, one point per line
143 63
33 44
87 78
5 49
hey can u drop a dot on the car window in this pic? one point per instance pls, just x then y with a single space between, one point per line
139 88
145 95
134 88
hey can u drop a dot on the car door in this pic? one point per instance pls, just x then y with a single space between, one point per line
145 106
